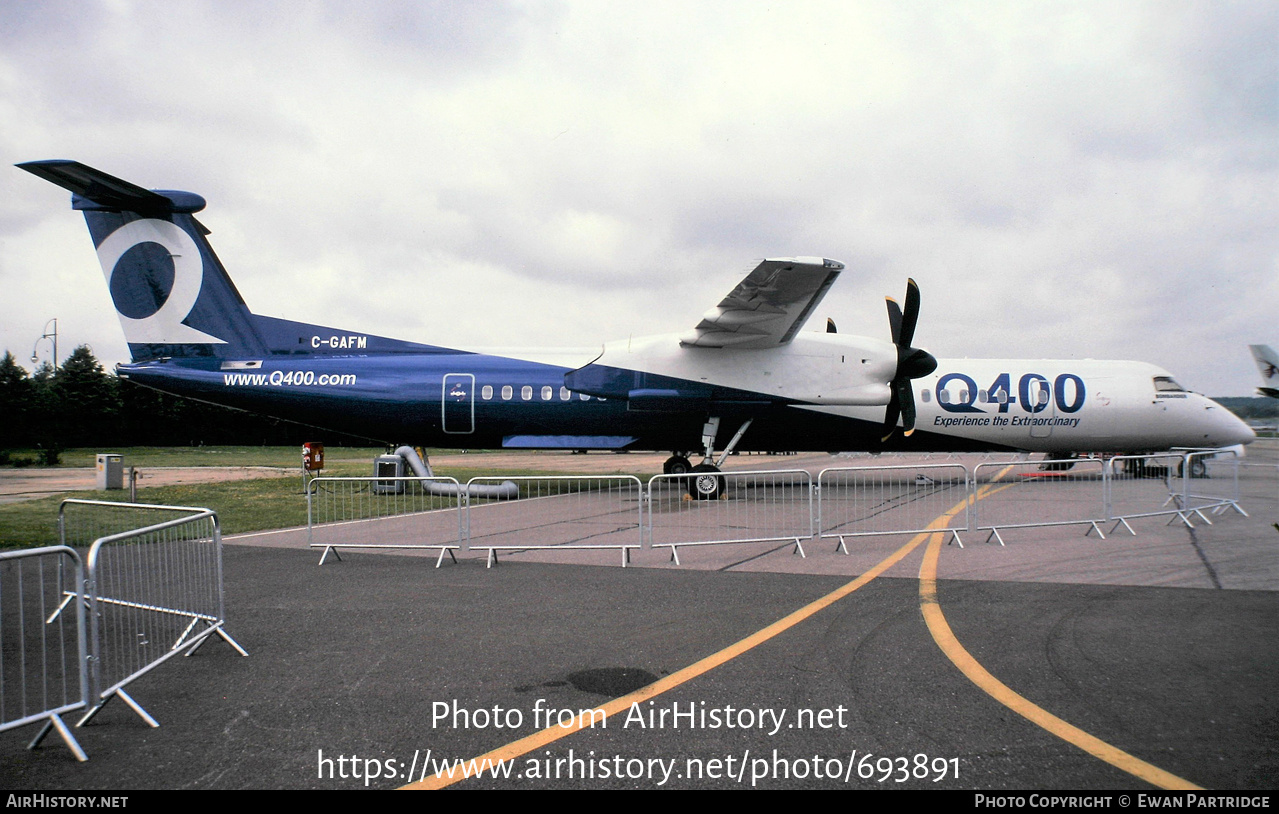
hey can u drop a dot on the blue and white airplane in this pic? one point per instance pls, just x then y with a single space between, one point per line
743 378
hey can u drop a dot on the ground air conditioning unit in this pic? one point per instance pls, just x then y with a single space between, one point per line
388 466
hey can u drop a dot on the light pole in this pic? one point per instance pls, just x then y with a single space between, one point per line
47 335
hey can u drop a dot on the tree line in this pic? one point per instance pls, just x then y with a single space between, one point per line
78 404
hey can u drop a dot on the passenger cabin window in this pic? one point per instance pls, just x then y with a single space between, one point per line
546 393
1165 384
507 392
487 392
564 394
526 392
926 395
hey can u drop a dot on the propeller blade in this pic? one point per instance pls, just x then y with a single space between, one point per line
891 415
906 398
894 319
911 315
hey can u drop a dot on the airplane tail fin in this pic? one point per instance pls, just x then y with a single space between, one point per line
1268 363
171 293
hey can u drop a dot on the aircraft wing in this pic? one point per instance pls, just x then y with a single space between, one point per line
767 308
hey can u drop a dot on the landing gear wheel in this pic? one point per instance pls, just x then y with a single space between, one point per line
677 465
1198 468
706 483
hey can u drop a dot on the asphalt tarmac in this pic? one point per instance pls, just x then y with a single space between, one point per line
376 670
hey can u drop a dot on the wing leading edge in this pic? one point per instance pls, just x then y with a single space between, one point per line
767 308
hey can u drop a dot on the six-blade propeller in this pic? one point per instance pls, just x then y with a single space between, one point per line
912 363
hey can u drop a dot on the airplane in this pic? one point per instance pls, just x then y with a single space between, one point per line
1268 363
745 371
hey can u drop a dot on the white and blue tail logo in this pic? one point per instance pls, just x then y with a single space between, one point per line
154 271
170 292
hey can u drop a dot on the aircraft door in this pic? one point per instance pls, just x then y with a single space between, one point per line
1036 398
457 403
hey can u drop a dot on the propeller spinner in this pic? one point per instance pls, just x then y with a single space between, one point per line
912 363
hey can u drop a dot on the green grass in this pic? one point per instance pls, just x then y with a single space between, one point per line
242 506
246 505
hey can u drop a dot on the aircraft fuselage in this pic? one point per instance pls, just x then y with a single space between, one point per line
820 394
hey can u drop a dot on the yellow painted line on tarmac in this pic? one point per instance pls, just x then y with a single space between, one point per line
523 746
945 638
937 625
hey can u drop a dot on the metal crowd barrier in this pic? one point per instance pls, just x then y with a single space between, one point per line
866 501
555 513
1210 482
43 656
1140 486
153 593
607 512
1035 494
752 507
427 510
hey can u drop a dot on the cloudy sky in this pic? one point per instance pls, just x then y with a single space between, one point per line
1064 180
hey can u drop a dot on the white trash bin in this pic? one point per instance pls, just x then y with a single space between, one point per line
110 470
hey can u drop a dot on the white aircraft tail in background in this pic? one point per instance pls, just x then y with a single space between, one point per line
1268 364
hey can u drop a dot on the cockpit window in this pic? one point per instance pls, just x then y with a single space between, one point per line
1165 384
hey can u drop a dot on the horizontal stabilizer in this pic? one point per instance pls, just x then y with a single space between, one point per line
104 191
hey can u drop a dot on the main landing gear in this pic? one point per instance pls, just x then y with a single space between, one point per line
677 464
705 482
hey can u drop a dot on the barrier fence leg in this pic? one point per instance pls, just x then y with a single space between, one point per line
124 696
208 634
226 637
1122 522
55 722
136 707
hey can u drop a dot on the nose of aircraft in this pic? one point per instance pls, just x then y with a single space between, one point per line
1226 429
